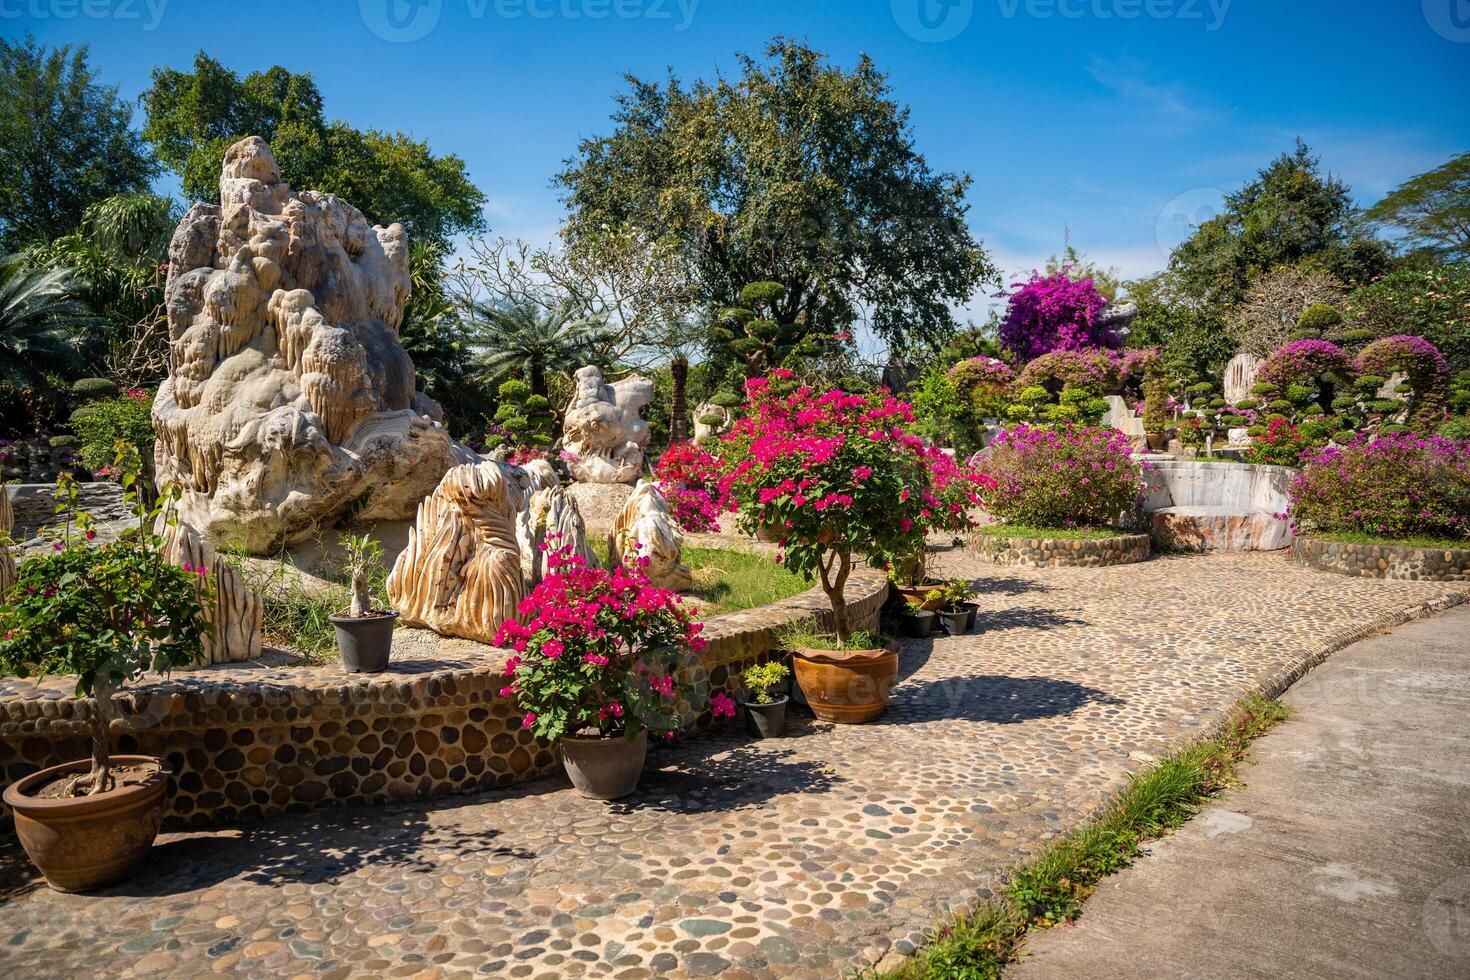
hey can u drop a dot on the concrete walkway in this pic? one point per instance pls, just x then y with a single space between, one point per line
1347 854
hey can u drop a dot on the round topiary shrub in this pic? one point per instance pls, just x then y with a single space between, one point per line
1091 371
88 389
1072 477
1427 371
1397 485
1319 317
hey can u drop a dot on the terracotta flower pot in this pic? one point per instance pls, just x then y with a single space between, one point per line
1157 441
604 768
916 593
86 842
846 686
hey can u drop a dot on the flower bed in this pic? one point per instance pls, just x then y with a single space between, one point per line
1068 478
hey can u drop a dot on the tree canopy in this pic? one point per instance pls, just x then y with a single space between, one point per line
1290 213
795 172
65 143
193 117
1433 209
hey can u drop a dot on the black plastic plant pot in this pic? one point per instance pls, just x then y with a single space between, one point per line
365 641
954 621
766 720
918 625
972 613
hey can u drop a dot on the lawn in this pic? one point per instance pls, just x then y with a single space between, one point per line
1357 537
727 580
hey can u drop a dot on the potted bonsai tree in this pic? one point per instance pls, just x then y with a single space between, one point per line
842 479
600 660
109 615
364 634
765 707
1156 406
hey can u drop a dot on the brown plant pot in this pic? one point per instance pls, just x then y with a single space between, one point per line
87 842
846 686
604 768
1157 441
916 593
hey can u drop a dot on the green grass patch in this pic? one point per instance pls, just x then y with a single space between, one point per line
1358 537
727 580
806 634
1060 533
294 617
1051 889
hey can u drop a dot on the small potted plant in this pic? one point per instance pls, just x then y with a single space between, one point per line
109 615
364 634
908 575
956 610
916 621
601 659
765 708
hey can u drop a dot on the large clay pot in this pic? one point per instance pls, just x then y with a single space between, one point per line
86 842
365 642
1157 441
846 686
916 593
604 768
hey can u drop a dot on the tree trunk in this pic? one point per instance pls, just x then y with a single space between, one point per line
362 596
538 380
679 413
99 778
834 583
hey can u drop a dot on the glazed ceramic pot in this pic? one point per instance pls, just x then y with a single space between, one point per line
85 842
604 768
365 642
846 686
766 720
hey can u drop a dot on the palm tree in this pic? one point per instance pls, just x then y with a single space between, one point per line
532 338
43 322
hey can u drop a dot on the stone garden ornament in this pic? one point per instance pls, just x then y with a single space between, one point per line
645 530
235 612
290 402
603 439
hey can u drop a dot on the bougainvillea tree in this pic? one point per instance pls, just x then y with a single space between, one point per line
604 650
1426 371
1055 312
688 476
1394 486
1317 365
838 476
1075 476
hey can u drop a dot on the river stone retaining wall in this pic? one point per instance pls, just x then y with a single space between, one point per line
1384 561
1053 552
248 742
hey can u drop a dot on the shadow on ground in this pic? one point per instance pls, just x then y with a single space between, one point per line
994 698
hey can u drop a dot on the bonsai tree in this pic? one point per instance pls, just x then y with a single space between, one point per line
838 477
107 614
755 332
522 422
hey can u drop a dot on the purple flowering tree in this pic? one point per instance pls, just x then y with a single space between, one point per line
1055 312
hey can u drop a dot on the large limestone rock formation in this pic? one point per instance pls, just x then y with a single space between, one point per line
1240 377
645 530
461 572
553 524
235 612
290 401
7 524
602 435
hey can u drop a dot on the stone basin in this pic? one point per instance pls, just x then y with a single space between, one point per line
1210 506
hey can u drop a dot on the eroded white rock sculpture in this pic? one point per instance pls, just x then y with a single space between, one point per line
1240 377
289 400
645 530
7 524
460 574
711 420
603 438
554 524
235 612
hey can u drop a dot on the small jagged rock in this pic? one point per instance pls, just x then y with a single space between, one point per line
645 530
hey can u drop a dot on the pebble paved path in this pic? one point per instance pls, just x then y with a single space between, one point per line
832 848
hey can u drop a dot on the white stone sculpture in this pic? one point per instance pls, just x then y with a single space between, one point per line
1121 417
235 612
723 419
1240 377
645 530
554 524
289 400
602 435
460 574
7 524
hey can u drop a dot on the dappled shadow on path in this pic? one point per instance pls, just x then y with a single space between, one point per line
744 777
993 698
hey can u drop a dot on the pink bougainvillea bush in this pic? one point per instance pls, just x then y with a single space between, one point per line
603 650
1070 477
1283 444
838 475
689 477
1093 371
1055 312
1393 486
1305 362
1425 368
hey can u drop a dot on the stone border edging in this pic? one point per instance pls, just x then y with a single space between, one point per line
1387 561
1122 549
1272 685
251 742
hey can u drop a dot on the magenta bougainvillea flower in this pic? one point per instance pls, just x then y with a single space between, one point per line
1055 312
1394 485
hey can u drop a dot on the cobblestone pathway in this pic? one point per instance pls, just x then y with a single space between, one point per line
803 856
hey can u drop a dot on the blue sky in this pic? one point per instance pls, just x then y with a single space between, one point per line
1122 120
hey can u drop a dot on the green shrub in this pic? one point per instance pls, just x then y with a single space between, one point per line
106 423
89 389
1319 317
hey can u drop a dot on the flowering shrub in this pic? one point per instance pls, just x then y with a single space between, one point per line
1425 368
1307 363
838 475
1395 486
1092 371
689 477
981 382
100 424
602 649
1055 312
1061 478
1282 444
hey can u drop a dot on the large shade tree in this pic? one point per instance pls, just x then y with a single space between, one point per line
194 116
1432 210
795 172
65 143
